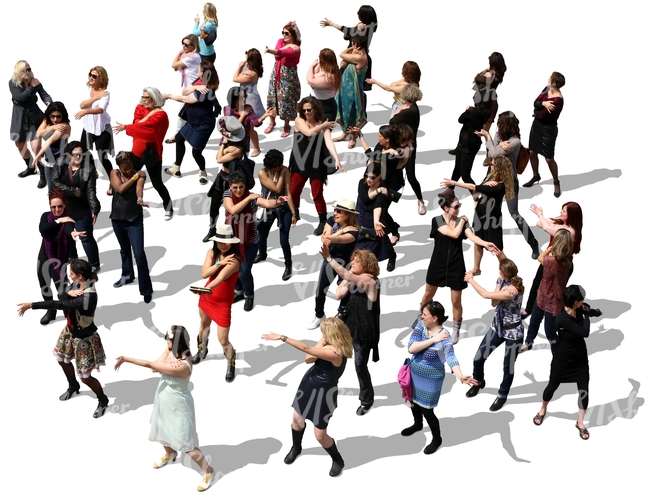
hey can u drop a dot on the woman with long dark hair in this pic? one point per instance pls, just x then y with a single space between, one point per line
506 327
350 99
324 77
55 130
79 340
173 421
410 75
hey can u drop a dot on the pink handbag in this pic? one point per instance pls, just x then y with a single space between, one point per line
404 379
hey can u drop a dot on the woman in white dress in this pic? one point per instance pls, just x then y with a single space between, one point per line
173 423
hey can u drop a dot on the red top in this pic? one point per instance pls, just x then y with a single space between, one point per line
549 295
285 56
542 114
153 130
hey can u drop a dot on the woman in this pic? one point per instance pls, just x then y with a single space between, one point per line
373 202
310 159
275 179
150 123
241 211
431 348
57 229
447 266
324 77
570 362
340 236
79 340
284 85
366 27
350 99
361 287
488 220
570 218
557 262
409 114
221 268
230 151
96 121
76 176
247 75
26 115
543 133
207 31
55 130
488 81
507 143
410 75
469 143
173 422
506 327
127 220
316 398
202 106
187 61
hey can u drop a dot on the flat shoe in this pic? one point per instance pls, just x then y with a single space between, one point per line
539 419
122 281
169 141
164 460
422 210
362 410
498 404
206 482
583 432
255 153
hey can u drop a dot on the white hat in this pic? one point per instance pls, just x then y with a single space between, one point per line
346 205
225 235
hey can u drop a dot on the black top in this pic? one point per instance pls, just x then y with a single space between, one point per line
366 206
202 113
52 229
85 179
472 120
363 319
570 362
393 178
310 156
411 117
341 251
125 206
366 32
488 219
79 311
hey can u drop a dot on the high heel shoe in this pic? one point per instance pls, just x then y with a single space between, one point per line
557 191
536 178
165 460
202 351
70 392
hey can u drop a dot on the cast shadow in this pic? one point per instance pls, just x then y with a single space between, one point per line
178 280
112 260
108 315
568 182
430 157
131 395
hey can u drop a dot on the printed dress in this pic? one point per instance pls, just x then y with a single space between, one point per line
350 99
428 368
284 85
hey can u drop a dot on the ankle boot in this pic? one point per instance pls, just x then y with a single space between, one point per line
211 232
417 422
101 406
322 219
337 460
28 171
41 181
73 387
230 372
49 316
433 446
296 448
202 351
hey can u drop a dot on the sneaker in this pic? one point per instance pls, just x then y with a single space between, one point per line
174 170
238 296
315 323
169 214
203 177
249 303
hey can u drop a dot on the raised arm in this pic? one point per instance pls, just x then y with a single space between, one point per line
176 368
496 296
565 322
303 128
449 183
234 209
231 267
365 281
455 232
227 154
327 352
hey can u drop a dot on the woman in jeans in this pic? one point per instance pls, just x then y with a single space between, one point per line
127 220
76 177
275 179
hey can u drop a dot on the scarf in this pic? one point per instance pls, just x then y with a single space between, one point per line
61 245
243 224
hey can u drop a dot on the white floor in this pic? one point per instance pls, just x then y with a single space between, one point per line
245 426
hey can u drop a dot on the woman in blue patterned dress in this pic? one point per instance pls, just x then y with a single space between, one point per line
350 99
506 327
431 347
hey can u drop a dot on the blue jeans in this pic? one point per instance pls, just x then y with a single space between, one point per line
48 177
549 327
88 241
245 281
283 214
130 235
325 280
491 341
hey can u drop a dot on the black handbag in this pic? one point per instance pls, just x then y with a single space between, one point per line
394 195
367 233
183 112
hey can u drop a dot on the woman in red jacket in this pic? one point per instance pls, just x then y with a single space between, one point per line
150 123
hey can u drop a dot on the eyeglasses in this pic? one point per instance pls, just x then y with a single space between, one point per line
76 155
54 207
307 110
92 76
146 97
286 33
56 116
368 176
338 211
237 188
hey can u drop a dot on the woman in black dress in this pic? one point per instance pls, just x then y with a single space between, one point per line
361 285
447 266
79 340
570 362
488 219
543 133
316 398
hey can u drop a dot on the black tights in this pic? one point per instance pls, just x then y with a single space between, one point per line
410 175
583 393
434 424
180 152
89 381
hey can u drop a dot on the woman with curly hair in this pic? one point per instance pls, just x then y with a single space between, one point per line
316 398
324 77
55 130
284 85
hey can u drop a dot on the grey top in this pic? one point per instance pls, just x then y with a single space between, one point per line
494 150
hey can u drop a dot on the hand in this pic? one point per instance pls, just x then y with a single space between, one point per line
468 276
271 337
446 182
241 64
354 130
35 82
467 108
491 184
548 105
118 128
80 114
469 380
74 293
294 221
441 336
379 229
23 307
482 133
464 217
371 81
119 361
324 250
201 88
143 204
505 145
65 219
282 199
77 234
197 18
325 23
77 192
328 125
361 26
101 94
266 49
390 151
142 175
338 166
94 216
272 112
229 260
536 210
253 196
492 248
245 113
202 26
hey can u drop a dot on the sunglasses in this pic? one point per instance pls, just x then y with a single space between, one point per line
92 76
56 116
28 69
146 97
286 33
308 110
54 207
368 176
456 207
338 211
76 155
185 45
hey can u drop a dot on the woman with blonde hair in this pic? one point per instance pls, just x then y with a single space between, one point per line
506 327
26 115
488 219
96 121
324 77
316 398
207 32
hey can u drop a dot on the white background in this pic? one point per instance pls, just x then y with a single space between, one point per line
245 426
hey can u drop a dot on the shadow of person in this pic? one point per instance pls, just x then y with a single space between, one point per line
131 395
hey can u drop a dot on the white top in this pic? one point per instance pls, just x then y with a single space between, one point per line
323 94
96 123
190 72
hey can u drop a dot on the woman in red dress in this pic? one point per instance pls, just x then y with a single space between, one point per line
221 267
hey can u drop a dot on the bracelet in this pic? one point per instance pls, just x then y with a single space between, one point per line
217 264
283 338
139 200
135 176
453 183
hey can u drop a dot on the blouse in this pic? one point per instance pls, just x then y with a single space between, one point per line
96 123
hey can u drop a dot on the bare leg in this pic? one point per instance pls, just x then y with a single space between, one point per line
429 293
23 150
323 437
287 126
255 139
478 256
204 326
169 451
298 422
197 456
225 343
457 305
542 411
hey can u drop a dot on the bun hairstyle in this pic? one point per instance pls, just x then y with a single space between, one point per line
447 198
436 310
573 294
509 270
84 269
180 341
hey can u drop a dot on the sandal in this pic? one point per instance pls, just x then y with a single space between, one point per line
169 141
539 419
339 138
285 134
352 143
270 128
422 210
583 432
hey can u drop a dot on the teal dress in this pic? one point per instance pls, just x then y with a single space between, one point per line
350 99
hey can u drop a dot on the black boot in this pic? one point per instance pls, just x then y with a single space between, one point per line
49 316
30 170
337 460
433 446
73 387
41 181
230 372
322 219
417 422
296 447
202 351
101 406
211 232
